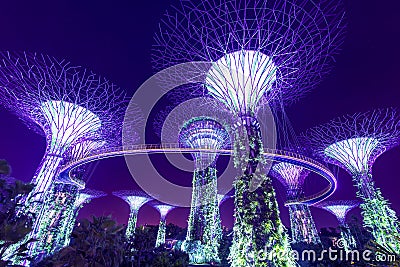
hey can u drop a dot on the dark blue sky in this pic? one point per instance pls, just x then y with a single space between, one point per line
114 38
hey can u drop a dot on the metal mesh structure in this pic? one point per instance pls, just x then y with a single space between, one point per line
286 46
67 104
64 102
353 142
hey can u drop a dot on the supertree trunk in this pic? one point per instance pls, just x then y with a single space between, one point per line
302 225
259 236
55 212
350 242
131 228
204 225
161 232
377 214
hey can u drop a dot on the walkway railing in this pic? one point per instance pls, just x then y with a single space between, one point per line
272 154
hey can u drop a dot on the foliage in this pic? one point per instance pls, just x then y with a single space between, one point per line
380 218
100 242
15 223
361 234
226 242
160 257
145 238
260 239
146 255
377 248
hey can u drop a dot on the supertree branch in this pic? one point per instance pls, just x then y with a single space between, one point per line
354 142
65 103
222 198
135 199
340 208
204 133
302 224
163 209
83 197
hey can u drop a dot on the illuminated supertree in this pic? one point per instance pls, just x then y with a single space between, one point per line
199 124
203 132
354 142
301 222
65 103
163 209
259 51
135 199
340 208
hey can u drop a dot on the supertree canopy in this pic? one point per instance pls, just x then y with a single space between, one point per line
340 208
354 142
260 50
301 222
135 199
163 209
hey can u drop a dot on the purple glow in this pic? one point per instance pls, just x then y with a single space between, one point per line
134 198
256 51
339 208
355 141
204 133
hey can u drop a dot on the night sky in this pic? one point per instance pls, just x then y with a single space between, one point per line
114 39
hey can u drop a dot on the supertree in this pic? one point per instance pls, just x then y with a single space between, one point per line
200 124
259 51
63 102
135 199
354 142
301 222
340 208
203 132
163 209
